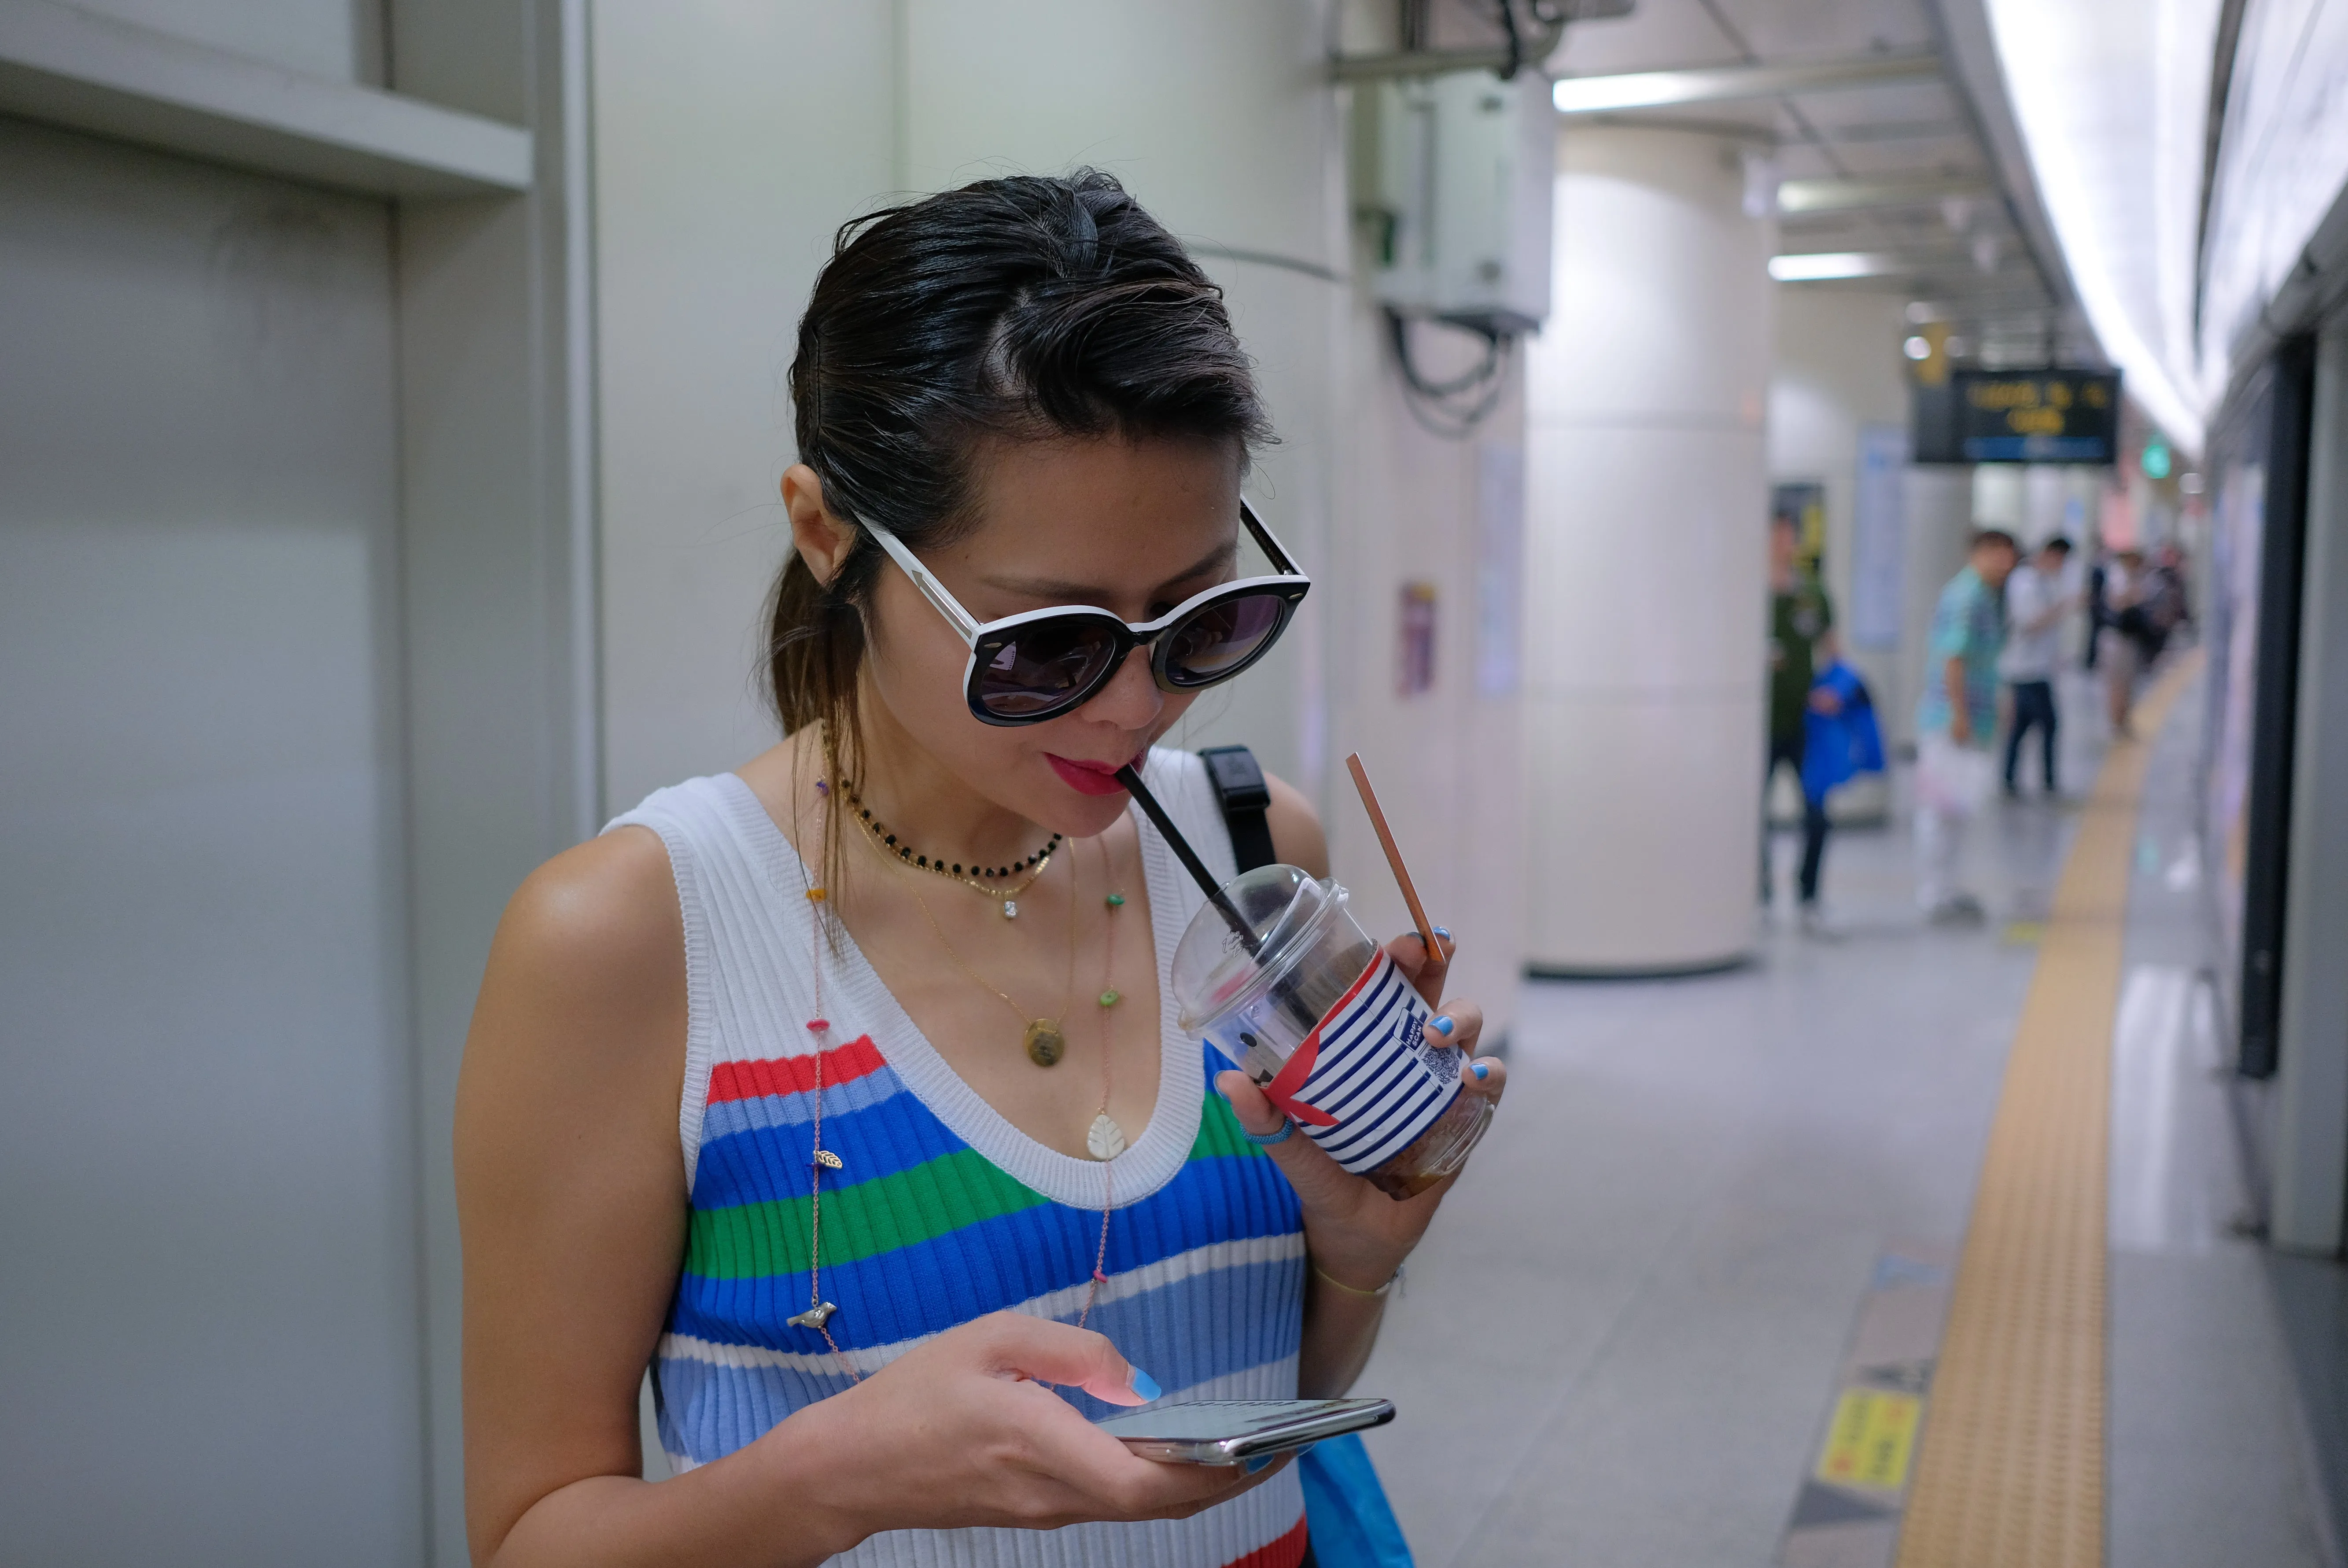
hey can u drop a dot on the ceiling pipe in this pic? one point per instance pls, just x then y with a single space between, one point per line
1503 60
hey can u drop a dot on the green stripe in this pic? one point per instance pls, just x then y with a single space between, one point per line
752 1241
1220 1131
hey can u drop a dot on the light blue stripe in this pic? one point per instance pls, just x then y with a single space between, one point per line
1184 1333
726 1117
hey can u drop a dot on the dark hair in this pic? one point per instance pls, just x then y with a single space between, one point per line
2060 542
1984 536
1018 309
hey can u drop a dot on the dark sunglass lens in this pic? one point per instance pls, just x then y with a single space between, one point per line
1043 667
1219 640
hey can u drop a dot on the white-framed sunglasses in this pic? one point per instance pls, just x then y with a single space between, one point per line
1040 663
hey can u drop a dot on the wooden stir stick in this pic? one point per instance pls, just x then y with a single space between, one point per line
1436 962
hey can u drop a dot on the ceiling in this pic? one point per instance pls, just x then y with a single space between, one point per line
1948 205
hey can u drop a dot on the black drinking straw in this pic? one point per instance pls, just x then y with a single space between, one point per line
1130 778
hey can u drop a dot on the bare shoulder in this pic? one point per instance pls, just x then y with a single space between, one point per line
584 995
599 913
1296 835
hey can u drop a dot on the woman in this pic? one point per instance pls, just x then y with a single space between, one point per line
841 1088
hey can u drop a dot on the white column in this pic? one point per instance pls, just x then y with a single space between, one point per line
1647 512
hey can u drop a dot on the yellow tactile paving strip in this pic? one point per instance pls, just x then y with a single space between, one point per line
2011 1474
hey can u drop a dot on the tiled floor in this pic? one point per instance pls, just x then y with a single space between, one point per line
1618 1344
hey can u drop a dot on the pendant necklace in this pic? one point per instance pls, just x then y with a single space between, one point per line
819 1312
1105 1140
1044 1039
979 878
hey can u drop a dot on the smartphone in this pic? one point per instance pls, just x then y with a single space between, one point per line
1233 1432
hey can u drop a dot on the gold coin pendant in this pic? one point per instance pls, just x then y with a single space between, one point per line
1046 1043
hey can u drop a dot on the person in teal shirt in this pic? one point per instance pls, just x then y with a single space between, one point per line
1957 719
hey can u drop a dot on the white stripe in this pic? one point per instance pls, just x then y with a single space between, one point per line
1373 1075
868 1359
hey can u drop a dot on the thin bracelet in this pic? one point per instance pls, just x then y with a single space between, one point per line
1377 1295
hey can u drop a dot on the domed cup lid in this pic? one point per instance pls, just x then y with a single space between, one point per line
1285 906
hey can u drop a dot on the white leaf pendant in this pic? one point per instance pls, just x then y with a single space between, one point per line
1105 1139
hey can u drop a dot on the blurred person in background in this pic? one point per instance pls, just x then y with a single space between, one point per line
1801 643
2036 599
2119 640
1957 721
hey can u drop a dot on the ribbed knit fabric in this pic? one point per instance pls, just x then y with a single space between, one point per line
942 1211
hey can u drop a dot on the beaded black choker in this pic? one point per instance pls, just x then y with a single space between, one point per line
979 878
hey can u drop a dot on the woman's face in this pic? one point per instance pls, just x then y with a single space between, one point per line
1134 528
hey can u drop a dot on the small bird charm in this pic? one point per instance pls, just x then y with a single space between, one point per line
826 1159
814 1317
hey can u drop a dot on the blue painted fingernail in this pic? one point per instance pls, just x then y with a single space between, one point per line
1443 1026
1259 1461
1442 933
1142 1383
1481 1070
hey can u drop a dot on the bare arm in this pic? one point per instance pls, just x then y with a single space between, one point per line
1960 718
1355 1237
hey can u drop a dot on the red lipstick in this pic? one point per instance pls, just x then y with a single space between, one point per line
1086 777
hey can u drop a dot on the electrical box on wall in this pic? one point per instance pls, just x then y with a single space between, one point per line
1453 175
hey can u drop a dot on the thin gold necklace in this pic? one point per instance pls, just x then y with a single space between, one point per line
1045 1041
1009 897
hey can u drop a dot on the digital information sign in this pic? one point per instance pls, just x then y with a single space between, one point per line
2020 416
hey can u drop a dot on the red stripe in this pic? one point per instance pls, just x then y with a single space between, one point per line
1285 1553
793 1075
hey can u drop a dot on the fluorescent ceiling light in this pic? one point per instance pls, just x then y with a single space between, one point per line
1726 84
2112 97
1816 266
1798 196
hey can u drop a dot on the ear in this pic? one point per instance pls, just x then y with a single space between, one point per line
822 540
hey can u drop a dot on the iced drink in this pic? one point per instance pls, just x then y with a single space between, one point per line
1321 1018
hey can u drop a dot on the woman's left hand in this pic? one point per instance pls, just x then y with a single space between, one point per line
1357 1234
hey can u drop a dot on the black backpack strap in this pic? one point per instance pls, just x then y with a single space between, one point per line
1240 786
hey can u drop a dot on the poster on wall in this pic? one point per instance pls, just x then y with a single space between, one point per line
1415 666
1879 538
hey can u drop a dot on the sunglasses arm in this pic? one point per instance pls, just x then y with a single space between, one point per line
960 619
1271 546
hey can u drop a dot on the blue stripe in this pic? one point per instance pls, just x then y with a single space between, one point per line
768 1163
707 1411
1183 1334
998 1263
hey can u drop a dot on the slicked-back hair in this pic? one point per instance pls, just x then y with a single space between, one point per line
1019 308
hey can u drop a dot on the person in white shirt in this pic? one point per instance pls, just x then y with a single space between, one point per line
2037 596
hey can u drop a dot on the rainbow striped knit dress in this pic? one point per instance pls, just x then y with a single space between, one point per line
944 1211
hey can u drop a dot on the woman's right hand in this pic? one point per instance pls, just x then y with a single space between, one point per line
960 1432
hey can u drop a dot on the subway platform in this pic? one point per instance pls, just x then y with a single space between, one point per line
1624 1344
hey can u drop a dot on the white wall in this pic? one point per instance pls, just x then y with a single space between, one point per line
208 1188
730 142
1647 511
